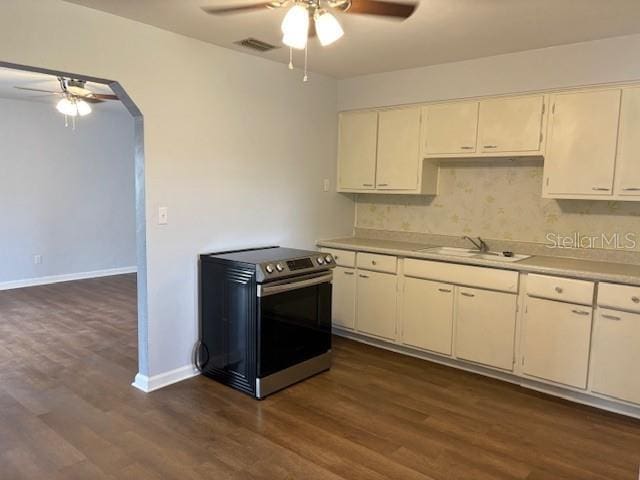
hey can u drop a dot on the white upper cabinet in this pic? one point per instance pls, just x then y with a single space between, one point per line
627 174
581 148
398 149
358 140
450 128
511 124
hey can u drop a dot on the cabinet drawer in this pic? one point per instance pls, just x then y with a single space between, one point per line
376 262
343 258
562 289
621 297
481 277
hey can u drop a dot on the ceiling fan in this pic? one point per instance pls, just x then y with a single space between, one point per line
76 97
311 18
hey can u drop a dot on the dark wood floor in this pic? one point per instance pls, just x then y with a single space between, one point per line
67 411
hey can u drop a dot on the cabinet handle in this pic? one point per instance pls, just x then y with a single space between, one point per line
465 294
610 317
631 189
348 273
373 262
559 289
580 312
367 184
363 276
491 146
600 189
444 290
635 299
466 148
383 185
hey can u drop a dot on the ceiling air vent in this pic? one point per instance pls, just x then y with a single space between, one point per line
255 44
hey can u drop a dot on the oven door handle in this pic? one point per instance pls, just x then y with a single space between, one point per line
295 285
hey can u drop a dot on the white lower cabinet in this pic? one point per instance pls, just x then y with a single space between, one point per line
344 297
555 341
428 315
616 355
485 327
376 299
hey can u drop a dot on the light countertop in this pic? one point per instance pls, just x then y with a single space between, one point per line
564 266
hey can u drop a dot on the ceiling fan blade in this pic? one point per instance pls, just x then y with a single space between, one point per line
37 90
102 96
239 8
382 8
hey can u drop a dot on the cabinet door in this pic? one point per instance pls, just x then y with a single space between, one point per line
511 124
450 128
616 355
485 327
398 149
627 176
556 341
427 320
357 145
344 297
581 148
376 304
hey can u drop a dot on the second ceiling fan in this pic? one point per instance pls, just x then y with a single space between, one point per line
310 18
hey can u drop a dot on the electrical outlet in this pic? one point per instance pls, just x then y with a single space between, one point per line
163 216
37 259
326 185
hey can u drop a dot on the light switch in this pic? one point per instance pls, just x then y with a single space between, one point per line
163 216
326 185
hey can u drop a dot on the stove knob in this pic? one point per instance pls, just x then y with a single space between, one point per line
279 267
320 260
269 268
328 258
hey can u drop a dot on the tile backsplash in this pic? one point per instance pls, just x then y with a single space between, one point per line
501 199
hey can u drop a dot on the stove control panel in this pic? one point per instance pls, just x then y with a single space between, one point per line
294 266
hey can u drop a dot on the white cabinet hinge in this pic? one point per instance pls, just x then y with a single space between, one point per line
547 181
523 361
553 109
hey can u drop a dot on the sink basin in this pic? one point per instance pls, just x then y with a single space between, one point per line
469 253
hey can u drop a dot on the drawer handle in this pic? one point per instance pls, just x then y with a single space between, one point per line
367 184
444 290
600 189
580 312
491 146
635 299
632 189
610 317
559 289
465 294
348 273
466 148
363 276
383 185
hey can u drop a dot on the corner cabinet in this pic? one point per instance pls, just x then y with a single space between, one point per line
379 151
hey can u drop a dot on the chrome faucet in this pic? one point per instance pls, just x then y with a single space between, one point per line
479 243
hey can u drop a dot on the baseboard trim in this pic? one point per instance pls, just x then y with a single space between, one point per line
149 384
584 398
34 282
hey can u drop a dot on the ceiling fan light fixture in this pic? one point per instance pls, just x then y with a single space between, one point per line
328 28
295 27
83 108
72 107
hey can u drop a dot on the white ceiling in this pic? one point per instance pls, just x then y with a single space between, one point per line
11 78
440 31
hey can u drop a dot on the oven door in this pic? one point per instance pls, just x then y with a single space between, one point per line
294 321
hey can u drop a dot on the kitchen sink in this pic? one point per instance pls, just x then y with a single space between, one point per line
470 253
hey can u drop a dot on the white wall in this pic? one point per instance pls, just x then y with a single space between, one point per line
601 61
65 195
235 146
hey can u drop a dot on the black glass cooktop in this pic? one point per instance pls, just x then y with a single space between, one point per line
264 254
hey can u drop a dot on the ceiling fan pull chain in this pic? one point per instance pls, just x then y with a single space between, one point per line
290 58
306 77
